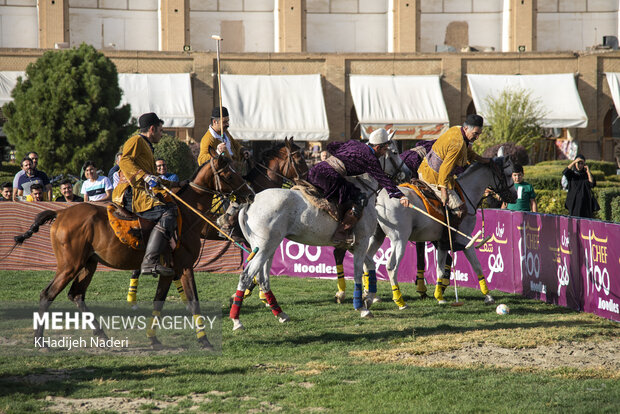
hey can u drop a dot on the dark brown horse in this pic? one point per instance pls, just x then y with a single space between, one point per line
282 162
82 237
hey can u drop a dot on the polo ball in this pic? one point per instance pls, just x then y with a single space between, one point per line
502 309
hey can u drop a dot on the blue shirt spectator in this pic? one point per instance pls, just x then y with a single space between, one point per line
162 170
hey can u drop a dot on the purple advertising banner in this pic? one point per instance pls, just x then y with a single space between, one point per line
566 261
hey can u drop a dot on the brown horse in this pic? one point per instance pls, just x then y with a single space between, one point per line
281 162
82 237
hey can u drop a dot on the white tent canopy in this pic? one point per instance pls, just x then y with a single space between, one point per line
413 105
169 95
613 79
8 80
557 94
272 107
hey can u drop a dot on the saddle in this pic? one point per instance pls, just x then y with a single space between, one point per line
432 203
133 230
315 198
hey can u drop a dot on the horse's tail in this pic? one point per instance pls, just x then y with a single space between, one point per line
43 217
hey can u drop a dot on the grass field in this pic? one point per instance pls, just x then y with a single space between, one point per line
538 359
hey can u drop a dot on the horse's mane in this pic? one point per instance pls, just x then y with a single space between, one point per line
476 166
271 153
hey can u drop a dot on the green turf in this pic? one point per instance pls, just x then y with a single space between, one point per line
324 360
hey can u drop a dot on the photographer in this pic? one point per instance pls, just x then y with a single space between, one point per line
580 200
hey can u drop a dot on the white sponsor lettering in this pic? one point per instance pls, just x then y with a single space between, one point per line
608 305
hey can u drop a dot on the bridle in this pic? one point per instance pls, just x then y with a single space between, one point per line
500 184
398 166
290 164
219 179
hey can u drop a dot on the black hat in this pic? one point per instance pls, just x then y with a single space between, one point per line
146 120
474 120
216 112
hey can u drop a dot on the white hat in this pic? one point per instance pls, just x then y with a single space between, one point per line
378 137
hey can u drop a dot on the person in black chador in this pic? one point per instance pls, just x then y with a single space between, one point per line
580 200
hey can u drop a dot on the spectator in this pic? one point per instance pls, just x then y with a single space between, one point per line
324 155
36 193
7 192
35 161
66 189
30 177
95 188
526 196
115 168
580 200
162 170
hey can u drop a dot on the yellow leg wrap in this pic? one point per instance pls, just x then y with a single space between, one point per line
150 332
445 282
397 297
262 297
420 282
248 292
133 290
342 285
182 294
200 327
438 291
483 285
365 280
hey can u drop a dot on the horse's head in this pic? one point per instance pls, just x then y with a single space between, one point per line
218 176
295 160
393 165
502 179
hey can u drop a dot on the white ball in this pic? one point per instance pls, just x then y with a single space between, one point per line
502 309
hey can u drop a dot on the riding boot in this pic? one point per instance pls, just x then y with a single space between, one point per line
344 232
155 247
228 223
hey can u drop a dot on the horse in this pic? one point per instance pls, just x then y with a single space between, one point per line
82 237
402 224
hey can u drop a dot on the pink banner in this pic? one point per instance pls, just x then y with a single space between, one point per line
562 260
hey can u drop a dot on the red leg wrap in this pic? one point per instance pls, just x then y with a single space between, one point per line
235 309
273 303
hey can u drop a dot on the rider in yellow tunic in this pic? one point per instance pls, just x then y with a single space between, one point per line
137 165
220 142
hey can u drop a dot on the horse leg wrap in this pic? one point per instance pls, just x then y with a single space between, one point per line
235 309
372 281
420 283
365 281
397 297
342 285
133 290
200 326
483 285
248 291
182 294
273 303
357 296
153 320
262 296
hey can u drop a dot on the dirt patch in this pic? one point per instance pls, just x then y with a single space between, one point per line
592 359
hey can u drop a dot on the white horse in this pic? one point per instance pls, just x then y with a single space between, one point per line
402 224
276 214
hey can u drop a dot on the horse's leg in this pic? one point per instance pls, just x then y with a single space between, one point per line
77 293
163 286
442 283
342 285
359 256
475 263
398 252
265 286
420 264
369 266
132 294
188 290
245 279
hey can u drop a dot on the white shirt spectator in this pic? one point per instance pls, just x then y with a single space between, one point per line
96 190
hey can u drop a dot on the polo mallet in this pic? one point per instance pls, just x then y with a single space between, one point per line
471 239
218 39
456 290
251 254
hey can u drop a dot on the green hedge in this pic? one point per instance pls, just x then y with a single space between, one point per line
605 196
615 210
551 201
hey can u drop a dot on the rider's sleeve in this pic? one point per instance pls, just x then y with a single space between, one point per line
206 142
375 171
128 164
450 161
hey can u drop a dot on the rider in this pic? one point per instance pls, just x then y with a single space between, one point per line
347 159
452 149
137 165
221 142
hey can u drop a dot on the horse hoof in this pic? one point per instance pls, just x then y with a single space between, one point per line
488 300
283 317
339 298
366 314
205 344
155 344
423 295
403 307
376 299
442 302
135 306
237 325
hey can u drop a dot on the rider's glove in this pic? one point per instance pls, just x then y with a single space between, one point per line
151 180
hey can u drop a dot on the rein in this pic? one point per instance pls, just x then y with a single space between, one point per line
289 164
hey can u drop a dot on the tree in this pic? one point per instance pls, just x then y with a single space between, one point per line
178 156
512 117
67 110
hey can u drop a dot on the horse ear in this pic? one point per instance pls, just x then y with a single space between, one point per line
500 151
